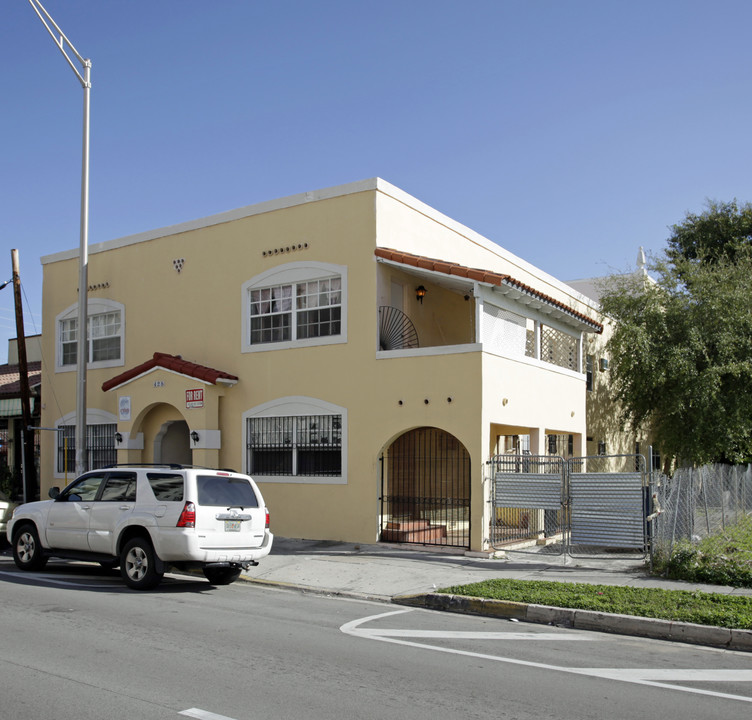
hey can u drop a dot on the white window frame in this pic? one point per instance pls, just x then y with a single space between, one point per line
297 406
95 307
292 274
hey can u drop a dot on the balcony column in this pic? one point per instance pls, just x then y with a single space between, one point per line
536 517
538 441
478 313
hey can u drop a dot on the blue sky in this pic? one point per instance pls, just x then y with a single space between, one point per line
569 132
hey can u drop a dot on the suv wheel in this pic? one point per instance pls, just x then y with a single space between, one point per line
27 550
138 566
221 575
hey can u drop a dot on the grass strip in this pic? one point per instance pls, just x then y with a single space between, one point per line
731 611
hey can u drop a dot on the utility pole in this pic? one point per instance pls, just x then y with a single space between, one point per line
27 434
84 77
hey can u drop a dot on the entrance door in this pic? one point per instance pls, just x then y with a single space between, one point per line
172 444
426 489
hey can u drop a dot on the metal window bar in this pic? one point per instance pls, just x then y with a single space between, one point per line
100 447
308 445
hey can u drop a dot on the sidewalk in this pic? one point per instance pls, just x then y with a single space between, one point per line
407 575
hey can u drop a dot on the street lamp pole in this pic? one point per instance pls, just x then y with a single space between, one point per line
84 77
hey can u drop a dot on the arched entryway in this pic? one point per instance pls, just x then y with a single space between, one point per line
172 444
425 489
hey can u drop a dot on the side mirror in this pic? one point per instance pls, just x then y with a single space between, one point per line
54 492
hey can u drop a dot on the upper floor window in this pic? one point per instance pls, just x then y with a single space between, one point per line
295 305
590 384
297 311
104 335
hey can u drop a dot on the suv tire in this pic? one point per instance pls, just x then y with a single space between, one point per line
221 575
138 565
27 550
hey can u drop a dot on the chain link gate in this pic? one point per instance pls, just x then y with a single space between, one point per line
585 506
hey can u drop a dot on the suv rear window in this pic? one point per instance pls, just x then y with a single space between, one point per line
217 491
167 487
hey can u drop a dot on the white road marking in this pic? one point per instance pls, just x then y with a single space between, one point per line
648 676
458 635
203 714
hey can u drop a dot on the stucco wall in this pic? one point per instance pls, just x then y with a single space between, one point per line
181 290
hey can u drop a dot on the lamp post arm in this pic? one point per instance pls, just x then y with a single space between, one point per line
62 42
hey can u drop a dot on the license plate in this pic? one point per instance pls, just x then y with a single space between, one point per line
232 525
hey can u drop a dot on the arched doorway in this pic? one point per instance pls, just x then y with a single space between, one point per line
425 489
172 444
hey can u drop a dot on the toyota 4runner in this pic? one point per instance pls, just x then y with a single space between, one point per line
146 519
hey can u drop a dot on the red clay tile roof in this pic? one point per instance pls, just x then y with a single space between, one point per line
174 363
10 379
484 276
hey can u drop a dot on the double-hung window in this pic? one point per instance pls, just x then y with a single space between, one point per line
295 305
297 311
104 336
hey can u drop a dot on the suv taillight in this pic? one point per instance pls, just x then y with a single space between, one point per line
267 517
187 518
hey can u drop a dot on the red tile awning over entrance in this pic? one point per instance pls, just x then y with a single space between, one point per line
175 363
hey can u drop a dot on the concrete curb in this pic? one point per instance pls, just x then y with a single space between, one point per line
728 638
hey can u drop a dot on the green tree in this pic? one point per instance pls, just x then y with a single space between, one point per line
681 349
720 232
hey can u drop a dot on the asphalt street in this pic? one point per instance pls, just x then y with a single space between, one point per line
78 644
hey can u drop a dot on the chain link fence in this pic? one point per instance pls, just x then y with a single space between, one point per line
698 502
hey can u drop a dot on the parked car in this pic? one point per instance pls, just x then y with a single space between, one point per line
146 519
6 508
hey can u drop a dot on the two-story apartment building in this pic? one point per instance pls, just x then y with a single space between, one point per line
356 351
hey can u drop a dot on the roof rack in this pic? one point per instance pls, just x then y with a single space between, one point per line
172 466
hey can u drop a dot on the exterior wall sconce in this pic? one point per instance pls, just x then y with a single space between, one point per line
118 438
195 437
420 293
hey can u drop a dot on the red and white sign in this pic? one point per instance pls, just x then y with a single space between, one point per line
194 398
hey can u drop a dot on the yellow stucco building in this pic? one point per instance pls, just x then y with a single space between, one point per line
356 351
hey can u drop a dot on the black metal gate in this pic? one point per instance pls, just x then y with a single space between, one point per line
425 490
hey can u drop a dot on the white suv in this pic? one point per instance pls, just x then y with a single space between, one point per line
146 518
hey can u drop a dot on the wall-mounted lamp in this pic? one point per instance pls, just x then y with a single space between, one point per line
118 438
195 437
420 293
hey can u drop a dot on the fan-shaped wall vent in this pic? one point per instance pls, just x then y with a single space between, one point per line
396 330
